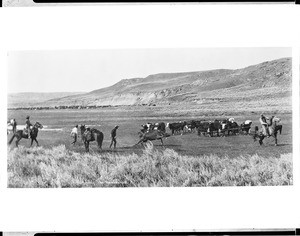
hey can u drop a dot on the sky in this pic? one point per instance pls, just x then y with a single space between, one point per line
87 70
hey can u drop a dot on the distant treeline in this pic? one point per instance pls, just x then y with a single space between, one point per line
72 107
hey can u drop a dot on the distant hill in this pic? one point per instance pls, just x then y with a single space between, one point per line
268 82
34 99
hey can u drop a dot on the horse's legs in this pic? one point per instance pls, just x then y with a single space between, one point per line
161 142
17 141
99 146
86 146
261 139
37 143
275 136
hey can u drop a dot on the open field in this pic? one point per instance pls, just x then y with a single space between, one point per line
130 120
185 160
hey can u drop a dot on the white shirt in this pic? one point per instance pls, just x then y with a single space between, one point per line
74 131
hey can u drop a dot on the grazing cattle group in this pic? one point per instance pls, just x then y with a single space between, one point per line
225 127
216 127
158 131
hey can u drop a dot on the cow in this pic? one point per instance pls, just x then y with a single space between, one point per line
144 128
230 126
157 126
176 127
245 127
161 126
214 126
147 127
152 135
202 127
233 128
190 126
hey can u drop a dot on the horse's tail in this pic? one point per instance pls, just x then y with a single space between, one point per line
100 138
12 138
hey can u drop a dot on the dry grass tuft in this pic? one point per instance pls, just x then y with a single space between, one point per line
59 167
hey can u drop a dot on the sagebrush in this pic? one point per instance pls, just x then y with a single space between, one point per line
60 167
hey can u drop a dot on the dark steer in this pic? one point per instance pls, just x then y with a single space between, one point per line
245 128
151 136
161 126
176 127
203 127
214 127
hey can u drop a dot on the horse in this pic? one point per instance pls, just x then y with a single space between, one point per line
274 127
152 135
88 135
21 134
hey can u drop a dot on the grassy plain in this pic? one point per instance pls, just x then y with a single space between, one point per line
130 120
185 160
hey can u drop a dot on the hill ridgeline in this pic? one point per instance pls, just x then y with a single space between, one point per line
267 80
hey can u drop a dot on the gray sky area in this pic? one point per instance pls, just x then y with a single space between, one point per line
87 70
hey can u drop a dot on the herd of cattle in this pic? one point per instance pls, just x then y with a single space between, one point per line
223 127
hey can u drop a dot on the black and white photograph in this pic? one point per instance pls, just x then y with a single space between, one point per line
182 117
133 118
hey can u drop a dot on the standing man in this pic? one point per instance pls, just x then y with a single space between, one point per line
14 125
74 134
27 126
264 125
113 135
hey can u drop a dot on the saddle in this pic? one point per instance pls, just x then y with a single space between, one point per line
88 134
25 132
270 130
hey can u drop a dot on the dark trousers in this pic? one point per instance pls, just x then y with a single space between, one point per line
75 138
113 141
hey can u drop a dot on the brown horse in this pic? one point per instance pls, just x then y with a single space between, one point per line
88 135
274 127
21 134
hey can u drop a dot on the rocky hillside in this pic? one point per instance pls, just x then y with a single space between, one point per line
270 80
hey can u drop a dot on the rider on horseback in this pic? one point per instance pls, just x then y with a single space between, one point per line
264 125
27 126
